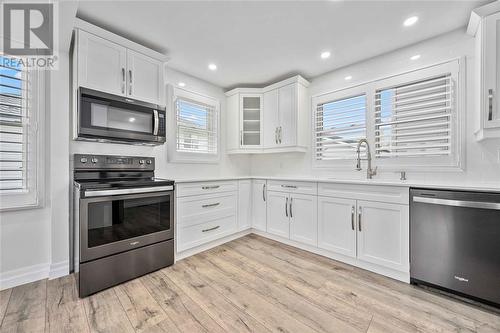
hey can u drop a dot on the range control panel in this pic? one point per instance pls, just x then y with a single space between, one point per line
106 162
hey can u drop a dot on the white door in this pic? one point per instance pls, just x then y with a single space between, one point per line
144 78
259 201
287 115
383 236
101 64
271 119
337 225
303 211
492 72
278 220
250 120
244 204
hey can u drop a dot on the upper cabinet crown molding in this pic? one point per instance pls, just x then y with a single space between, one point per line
478 14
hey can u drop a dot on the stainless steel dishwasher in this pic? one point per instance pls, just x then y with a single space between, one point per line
455 242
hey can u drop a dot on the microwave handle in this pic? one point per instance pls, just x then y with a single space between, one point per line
156 122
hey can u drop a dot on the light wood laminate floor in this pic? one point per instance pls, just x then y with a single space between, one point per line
248 285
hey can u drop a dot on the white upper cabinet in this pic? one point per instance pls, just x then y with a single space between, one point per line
485 26
144 77
283 123
383 234
109 63
101 64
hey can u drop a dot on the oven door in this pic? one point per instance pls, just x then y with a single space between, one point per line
117 223
115 118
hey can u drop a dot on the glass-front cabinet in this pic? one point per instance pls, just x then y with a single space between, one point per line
250 120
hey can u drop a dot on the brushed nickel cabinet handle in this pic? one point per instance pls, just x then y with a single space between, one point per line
210 229
123 80
264 192
352 217
211 205
490 104
130 82
210 187
289 186
359 219
291 212
286 207
276 135
280 134
241 138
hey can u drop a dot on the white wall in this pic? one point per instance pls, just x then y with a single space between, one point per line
482 161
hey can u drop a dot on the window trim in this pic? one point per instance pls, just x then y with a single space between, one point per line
32 197
457 163
175 156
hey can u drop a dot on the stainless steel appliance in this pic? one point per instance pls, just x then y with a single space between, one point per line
455 242
106 117
124 220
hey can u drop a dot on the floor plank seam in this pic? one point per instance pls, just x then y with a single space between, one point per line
123 308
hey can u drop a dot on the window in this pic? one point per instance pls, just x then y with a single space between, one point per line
410 120
196 120
339 126
20 108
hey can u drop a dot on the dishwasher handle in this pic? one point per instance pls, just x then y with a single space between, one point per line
458 203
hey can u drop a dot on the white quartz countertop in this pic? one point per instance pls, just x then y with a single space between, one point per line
467 186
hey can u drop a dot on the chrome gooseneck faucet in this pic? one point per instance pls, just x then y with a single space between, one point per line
369 171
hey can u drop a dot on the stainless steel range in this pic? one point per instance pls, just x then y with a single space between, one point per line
124 220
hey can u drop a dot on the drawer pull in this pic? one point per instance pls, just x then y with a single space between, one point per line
210 229
211 205
210 187
289 186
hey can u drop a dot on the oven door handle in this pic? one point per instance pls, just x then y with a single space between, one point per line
102 193
156 122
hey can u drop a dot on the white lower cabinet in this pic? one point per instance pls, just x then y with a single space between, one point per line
244 204
259 202
278 222
303 212
383 234
337 225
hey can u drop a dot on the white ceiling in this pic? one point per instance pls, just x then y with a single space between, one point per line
256 42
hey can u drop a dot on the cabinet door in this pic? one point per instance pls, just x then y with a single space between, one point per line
383 236
144 78
337 225
233 122
278 221
303 211
287 106
259 203
492 70
244 204
101 64
271 119
250 120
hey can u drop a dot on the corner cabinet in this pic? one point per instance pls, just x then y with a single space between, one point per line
485 26
270 119
105 62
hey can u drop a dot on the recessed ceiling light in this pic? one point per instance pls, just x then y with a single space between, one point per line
415 57
348 77
410 21
325 55
212 67
181 84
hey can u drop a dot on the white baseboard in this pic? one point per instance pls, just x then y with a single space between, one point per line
24 275
59 269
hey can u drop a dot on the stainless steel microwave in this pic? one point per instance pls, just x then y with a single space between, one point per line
107 117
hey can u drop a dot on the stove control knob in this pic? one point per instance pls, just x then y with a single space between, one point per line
141 162
94 160
148 162
83 160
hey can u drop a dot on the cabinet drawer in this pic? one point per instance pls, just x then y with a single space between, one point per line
381 193
292 187
195 235
202 208
187 189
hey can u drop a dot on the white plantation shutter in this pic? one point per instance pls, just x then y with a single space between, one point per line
339 125
415 119
197 127
14 120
